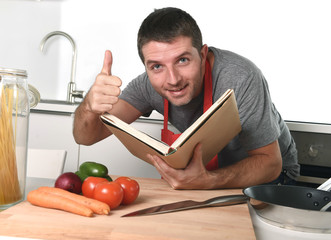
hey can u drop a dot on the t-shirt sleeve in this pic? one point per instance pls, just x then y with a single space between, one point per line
137 93
257 113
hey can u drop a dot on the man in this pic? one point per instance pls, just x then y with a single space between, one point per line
176 62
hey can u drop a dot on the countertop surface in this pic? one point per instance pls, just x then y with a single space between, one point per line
229 222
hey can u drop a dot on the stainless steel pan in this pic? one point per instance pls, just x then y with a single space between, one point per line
291 207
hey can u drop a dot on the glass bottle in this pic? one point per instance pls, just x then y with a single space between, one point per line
14 124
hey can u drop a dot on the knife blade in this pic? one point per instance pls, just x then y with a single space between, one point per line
190 204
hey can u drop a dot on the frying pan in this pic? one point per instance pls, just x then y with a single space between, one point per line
292 207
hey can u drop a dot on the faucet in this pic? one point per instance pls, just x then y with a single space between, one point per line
72 93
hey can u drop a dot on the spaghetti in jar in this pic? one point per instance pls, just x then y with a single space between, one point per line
14 124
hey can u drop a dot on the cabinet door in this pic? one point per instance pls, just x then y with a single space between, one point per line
54 131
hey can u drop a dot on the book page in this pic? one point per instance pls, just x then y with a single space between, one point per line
213 135
200 121
158 145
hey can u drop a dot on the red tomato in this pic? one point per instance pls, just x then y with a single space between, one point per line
89 185
130 188
110 193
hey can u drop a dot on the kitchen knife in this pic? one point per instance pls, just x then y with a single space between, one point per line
189 204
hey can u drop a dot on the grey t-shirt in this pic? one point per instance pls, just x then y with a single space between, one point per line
261 122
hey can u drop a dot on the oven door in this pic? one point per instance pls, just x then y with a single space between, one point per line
313 141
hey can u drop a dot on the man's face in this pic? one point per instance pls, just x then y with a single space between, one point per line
175 69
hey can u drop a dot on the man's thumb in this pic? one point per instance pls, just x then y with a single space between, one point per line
107 63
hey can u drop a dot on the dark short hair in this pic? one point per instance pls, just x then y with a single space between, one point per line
164 25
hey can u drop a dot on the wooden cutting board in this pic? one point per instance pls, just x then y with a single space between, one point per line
229 222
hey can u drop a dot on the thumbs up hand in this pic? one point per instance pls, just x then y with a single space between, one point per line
106 88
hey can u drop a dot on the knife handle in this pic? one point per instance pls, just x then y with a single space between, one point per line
226 200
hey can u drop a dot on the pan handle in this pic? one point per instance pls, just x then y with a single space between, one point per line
326 186
326 207
226 200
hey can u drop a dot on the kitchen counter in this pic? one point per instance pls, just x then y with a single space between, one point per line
58 107
55 107
229 222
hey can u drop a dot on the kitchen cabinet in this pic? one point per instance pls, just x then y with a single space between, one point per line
51 128
54 131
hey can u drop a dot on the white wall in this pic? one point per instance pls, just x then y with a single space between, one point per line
23 25
289 40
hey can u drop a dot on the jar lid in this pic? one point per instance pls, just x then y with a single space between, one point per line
11 71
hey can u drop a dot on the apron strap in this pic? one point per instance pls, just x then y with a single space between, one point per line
165 113
208 88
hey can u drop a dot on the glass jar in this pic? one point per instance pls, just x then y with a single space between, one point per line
14 124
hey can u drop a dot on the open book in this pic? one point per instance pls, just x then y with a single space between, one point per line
213 129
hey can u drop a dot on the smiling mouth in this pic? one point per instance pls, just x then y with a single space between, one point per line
177 89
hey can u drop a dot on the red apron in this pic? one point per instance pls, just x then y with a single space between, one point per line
169 137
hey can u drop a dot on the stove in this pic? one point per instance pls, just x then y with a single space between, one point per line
313 141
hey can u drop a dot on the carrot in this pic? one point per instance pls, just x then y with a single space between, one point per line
96 206
49 200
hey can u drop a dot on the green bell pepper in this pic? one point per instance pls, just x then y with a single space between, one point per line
93 169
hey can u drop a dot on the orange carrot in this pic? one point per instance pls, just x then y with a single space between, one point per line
48 200
96 206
